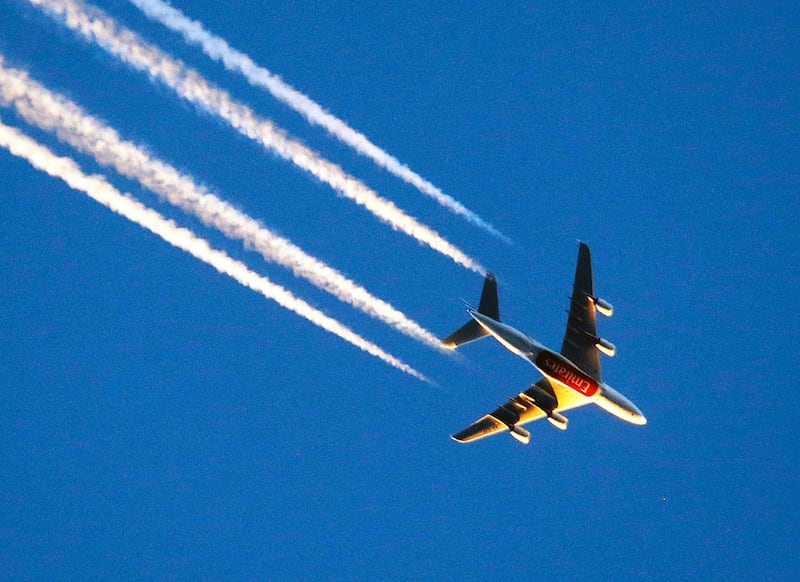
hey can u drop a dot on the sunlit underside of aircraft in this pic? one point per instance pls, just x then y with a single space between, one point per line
572 377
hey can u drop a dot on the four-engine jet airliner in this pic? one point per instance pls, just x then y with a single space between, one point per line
572 378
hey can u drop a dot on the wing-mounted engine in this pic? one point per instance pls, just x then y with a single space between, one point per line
542 396
605 346
510 414
519 434
601 344
603 306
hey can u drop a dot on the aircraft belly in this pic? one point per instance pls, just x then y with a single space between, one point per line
568 398
560 371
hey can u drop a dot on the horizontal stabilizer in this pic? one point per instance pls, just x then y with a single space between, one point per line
472 330
468 332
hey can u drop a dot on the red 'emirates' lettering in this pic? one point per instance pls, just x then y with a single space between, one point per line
566 374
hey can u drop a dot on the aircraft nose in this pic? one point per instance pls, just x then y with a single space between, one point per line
637 416
620 406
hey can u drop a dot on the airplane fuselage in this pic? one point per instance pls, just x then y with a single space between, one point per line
560 370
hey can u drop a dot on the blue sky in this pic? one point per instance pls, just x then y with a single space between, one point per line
160 420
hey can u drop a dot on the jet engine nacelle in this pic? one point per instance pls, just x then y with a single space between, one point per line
606 347
603 306
520 434
558 420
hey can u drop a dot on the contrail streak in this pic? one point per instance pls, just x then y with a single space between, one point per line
218 49
96 26
100 190
53 112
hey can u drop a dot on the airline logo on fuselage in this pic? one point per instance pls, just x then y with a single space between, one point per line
562 371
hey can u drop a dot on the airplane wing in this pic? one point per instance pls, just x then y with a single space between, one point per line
520 410
581 336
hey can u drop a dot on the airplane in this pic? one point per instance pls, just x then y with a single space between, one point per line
572 378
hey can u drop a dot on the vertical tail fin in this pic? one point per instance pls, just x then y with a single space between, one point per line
489 306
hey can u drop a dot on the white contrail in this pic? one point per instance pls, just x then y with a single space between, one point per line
218 49
98 27
53 112
100 190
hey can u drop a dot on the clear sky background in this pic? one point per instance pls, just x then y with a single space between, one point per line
158 420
